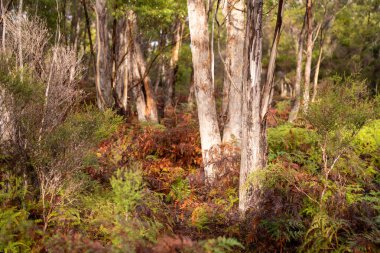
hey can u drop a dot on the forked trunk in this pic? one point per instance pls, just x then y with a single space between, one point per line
142 85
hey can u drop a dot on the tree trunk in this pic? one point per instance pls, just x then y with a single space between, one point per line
316 74
88 29
309 55
173 65
268 88
7 128
121 65
234 69
20 53
297 85
144 92
204 92
103 64
190 98
253 153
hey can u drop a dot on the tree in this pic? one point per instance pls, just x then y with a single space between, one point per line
173 63
141 83
253 153
297 85
309 53
203 83
103 64
272 58
233 70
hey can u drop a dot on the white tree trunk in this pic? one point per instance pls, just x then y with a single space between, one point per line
234 69
309 55
253 154
204 92
316 74
7 127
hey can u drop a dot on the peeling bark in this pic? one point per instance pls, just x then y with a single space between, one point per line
253 153
103 64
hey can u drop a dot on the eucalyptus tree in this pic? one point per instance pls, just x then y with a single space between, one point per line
103 64
235 24
203 84
253 147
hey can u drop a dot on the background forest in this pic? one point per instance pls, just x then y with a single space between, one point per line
190 126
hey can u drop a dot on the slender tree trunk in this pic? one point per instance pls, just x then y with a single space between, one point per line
253 153
204 92
173 65
234 69
268 88
190 98
3 12
121 65
103 64
88 28
20 53
297 85
309 54
316 74
75 25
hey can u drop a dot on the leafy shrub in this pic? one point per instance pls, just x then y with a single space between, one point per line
325 234
15 226
221 245
127 188
180 190
200 217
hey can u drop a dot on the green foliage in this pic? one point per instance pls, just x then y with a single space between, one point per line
127 188
298 145
221 245
284 230
342 110
24 90
15 226
367 140
200 217
325 234
180 190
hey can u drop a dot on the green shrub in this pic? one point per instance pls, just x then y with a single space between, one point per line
200 217
180 190
15 226
127 187
221 245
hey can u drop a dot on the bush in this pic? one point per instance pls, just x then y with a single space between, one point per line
15 227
